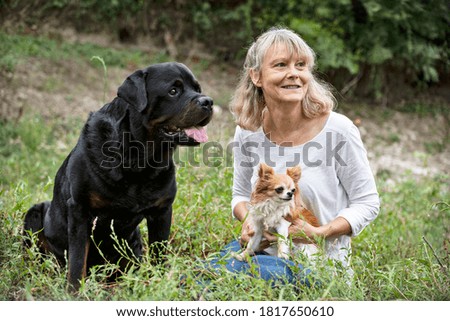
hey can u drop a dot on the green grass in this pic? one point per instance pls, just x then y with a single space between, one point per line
16 48
391 259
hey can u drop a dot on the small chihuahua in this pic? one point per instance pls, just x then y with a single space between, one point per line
275 202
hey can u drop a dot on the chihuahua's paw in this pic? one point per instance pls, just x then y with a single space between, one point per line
283 256
237 256
244 256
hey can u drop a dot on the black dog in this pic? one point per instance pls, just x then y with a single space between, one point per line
121 170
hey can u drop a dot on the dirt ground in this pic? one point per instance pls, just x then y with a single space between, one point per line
396 142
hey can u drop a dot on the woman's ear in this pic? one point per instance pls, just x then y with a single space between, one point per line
256 77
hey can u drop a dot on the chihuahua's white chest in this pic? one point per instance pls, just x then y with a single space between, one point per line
270 213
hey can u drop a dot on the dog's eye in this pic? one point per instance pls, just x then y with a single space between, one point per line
293 190
173 92
279 190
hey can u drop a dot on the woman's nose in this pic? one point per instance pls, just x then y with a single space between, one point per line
293 72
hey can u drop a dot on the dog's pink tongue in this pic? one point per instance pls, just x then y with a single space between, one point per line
197 133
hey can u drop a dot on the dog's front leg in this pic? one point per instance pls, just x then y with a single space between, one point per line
283 241
255 240
253 243
78 237
158 225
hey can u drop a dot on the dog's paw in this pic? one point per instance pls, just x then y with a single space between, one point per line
244 256
283 256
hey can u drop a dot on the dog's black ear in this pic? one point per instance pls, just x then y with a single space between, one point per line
133 90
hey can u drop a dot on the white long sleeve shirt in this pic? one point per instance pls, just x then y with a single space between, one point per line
336 178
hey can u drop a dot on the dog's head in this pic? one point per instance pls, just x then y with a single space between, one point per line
170 100
280 188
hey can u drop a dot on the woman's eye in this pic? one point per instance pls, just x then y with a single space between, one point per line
280 64
279 190
301 64
173 92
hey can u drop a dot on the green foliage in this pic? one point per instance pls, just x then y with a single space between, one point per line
349 35
365 38
410 33
402 255
323 26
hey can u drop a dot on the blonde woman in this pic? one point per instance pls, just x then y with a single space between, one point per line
285 118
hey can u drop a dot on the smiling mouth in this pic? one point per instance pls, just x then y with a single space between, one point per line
291 87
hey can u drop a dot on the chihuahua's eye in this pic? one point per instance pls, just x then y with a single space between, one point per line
279 190
293 190
173 92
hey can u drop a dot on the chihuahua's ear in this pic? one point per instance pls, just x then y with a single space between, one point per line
295 173
265 171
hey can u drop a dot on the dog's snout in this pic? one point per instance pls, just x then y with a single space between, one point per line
289 194
205 102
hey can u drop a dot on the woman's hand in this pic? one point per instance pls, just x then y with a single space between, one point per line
303 232
248 232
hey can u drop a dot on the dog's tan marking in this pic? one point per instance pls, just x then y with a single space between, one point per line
162 202
96 201
86 252
84 267
43 243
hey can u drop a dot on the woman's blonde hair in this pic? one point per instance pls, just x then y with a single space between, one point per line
248 104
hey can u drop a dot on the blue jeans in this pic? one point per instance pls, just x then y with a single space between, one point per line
269 268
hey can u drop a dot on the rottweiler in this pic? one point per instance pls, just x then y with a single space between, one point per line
121 171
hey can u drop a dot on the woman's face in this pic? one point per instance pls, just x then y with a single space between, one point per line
283 77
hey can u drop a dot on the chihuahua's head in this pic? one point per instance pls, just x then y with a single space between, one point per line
280 188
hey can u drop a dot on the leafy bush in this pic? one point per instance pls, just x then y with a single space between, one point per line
374 38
